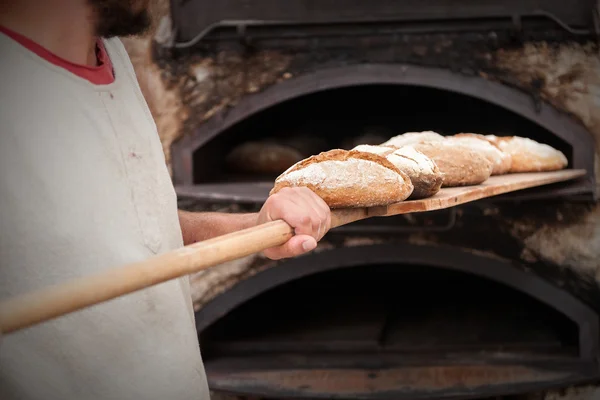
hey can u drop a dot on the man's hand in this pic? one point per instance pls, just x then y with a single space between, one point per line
304 211
300 207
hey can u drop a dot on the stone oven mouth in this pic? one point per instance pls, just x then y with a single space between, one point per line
392 330
301 125
408 309
345 117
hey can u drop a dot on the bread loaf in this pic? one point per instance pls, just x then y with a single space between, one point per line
346 179
422 171
262 158
409 138
500 160
459 164
530 156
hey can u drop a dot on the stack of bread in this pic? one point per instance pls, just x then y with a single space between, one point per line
415 165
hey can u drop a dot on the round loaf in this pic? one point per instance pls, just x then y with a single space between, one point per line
531 156
459 164
262 158
410 138
345 179
423 172
500 160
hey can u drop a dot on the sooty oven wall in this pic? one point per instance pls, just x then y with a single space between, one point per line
560 242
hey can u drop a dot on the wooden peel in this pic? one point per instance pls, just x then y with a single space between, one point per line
32 308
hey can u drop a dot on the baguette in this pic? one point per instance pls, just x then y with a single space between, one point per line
422 171
346 179
459 164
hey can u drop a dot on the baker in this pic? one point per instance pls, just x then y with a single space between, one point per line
84 187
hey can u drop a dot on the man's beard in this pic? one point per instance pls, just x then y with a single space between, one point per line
119 18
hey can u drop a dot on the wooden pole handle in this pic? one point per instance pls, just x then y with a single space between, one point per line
36 307
29 309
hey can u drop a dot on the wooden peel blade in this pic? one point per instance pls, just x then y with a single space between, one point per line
33 308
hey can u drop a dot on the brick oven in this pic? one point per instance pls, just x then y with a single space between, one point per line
490 299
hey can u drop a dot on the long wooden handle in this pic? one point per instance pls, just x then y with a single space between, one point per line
36 307
29 309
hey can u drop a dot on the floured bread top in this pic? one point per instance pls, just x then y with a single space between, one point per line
492 138
410 158
339 168
475 142
480 144
375 149
535 149
334 174
409 138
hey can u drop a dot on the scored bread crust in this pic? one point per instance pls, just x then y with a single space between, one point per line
500 160
375 149
459 164
531 156
423 172
409 138
347 179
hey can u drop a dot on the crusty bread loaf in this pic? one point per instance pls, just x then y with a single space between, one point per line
262 158
422 171
500 160
348 179
531 156
409 138
459 164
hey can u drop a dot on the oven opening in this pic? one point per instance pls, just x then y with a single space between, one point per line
397 330
345 117
411 310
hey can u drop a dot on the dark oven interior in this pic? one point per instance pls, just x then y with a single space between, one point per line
343 118
240 162
392 330
415 310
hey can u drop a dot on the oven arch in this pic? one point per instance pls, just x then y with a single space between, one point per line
497 270
546 116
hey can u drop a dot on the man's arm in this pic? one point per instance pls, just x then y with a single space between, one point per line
301 208
199 226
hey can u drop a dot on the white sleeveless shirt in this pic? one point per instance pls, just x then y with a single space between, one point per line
84 187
